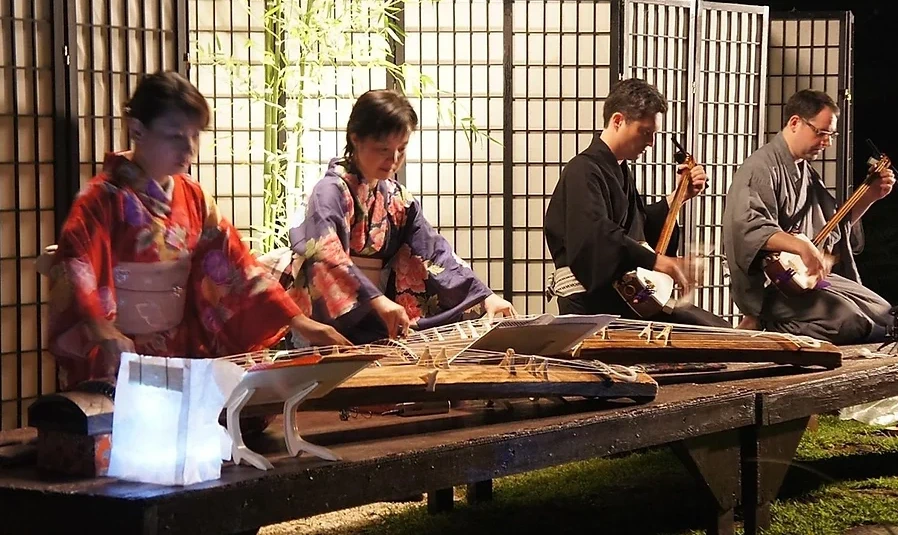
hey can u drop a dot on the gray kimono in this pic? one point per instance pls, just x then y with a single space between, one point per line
771 193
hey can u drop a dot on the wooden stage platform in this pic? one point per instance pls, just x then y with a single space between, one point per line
720 423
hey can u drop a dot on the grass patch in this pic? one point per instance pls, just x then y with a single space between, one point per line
838 507
838 438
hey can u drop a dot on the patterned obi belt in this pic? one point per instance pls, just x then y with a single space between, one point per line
563 283
150 295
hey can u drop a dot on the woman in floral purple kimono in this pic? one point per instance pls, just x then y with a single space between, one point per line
366 261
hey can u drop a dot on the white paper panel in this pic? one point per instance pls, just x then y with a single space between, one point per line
730 123
114 46
459 181
561 65
228 48
657 49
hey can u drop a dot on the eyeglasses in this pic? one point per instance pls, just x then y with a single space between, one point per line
820 132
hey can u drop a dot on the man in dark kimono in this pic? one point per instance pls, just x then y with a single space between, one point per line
777 203
596 223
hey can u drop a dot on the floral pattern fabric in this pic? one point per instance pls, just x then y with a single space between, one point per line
233 305
349 217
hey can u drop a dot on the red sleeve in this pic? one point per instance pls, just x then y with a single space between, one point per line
81 284
238 303
83 260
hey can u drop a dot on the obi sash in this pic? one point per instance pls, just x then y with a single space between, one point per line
371 268
563 283
150 295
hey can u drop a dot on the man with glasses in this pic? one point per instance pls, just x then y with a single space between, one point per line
777 203
596 223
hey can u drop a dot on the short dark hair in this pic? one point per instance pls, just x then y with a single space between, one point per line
807 103
379 113
634 98
164 92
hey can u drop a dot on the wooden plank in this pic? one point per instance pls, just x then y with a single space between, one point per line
374 470
329 428
858 381
23 435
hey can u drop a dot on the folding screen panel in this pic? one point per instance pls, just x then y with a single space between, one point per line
813 50
68 66
486 196
459 181
27 201
532 75
709 60
729 123
338 86
561 65
658 48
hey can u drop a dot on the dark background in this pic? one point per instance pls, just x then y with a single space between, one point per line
874 98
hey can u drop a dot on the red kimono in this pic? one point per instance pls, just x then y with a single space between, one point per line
124 231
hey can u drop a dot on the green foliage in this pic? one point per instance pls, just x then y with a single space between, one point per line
306 43
837 438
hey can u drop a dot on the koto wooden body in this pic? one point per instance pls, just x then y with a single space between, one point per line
406 383
630 346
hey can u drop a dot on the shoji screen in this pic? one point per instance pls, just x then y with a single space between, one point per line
731 91
709 60
813 51
229 163
459 46
561 67
115 42
658 48
327 110
26 203
61 106
530 74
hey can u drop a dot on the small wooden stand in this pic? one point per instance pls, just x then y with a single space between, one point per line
74 432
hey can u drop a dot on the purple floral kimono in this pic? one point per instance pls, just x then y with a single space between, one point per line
347 219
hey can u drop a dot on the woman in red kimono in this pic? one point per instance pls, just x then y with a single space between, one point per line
365 258
146 263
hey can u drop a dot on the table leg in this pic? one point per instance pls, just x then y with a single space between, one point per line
480 492
440 500
714 462
767 453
